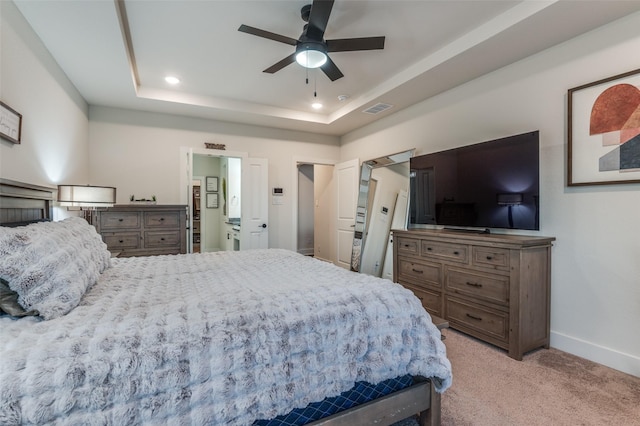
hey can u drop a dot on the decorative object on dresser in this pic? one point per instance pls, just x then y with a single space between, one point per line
492 286
143 230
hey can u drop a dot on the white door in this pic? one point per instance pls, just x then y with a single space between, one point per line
254 230
346 178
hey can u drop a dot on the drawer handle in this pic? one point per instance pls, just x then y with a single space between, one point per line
120 220
456 253
121 241
477 285
417 271
407 245
429 249
161 239
474 317
161 219
489 257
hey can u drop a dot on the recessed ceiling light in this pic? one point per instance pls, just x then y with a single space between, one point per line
172 80
316 105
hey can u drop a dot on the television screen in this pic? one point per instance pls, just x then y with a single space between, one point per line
493 184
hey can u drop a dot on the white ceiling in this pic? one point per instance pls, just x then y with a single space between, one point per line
431 46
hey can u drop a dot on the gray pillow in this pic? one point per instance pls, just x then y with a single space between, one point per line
9 302
50 265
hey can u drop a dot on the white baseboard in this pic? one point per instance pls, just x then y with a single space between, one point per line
620 361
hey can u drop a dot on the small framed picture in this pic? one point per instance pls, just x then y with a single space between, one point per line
212 200
212 183
10 123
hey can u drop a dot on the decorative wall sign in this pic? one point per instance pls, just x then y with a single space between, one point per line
604 131
212 183
10 123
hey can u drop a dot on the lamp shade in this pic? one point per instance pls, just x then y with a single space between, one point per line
509 198
86 196
311 54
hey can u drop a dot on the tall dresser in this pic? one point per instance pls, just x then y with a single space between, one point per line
143 230
493 287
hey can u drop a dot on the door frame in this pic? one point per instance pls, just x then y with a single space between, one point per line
186 178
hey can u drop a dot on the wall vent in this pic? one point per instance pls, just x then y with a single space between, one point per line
377 108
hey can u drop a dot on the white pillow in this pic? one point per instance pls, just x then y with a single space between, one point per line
50 265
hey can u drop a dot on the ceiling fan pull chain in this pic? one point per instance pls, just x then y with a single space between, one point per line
315 84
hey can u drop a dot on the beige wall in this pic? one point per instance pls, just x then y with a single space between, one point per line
595 300
55 124
139 153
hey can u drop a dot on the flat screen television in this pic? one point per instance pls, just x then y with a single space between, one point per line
493 184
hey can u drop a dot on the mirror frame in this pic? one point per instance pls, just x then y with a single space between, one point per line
359 235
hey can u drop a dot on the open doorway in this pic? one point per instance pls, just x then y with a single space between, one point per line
315 203
234 206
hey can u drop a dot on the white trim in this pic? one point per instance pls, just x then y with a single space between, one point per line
617 360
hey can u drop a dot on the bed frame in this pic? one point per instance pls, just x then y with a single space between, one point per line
22 203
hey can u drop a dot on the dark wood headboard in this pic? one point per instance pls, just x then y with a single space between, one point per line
22 203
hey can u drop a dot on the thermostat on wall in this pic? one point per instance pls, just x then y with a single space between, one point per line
278 196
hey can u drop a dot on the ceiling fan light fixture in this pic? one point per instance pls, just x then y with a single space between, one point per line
311 55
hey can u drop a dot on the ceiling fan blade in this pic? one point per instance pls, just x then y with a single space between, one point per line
351 44
283 63
331 70
318 18
267 34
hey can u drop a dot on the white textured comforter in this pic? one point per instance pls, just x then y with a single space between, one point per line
216 338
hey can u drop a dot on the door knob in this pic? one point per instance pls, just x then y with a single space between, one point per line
264 225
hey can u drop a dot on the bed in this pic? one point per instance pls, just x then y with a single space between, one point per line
234 338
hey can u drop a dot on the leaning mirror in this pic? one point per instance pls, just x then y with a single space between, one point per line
382 206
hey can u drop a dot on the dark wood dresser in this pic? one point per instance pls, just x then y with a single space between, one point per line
493 287
143 230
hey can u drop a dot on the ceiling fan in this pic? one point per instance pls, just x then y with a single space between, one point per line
311 47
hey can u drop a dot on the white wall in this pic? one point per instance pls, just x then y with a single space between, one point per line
55 124
139 153
595 298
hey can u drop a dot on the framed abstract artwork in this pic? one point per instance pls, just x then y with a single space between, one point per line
604 131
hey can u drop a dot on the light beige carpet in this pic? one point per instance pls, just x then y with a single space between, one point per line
549 387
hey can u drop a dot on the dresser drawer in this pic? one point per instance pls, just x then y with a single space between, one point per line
121 240
491 257
418 272
162 219
492 323
455 252
489 287
409 246
118 220
431 300
162 238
